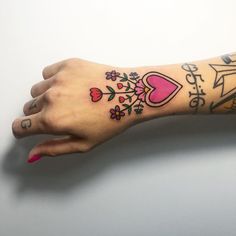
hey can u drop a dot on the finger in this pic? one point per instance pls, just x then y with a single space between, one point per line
51 70
56 147
41 87
33 106
27 125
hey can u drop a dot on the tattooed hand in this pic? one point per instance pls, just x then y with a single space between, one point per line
87 103
63 104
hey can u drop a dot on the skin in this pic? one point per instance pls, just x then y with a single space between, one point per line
61 105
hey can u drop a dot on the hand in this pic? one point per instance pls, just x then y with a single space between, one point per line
69 103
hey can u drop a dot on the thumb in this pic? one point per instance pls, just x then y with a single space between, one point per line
54 147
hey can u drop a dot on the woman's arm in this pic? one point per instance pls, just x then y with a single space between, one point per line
87 103
208 86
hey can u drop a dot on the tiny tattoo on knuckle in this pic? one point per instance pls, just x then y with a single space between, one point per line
33 104
133 92
26 124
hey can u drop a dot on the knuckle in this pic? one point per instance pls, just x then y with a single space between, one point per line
14 127
44 72
51 153
14 124
33 90
60 77
85 148
51 94
48 120
71 62
48 96
25 108
51 121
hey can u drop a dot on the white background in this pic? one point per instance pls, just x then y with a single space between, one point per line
171 176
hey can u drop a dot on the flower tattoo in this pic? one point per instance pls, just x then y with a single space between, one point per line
116 113
141 90
132 93
112 75
96 94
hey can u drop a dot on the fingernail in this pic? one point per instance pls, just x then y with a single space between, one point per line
33 158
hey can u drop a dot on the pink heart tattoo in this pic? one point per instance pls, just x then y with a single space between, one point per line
153 89
160 88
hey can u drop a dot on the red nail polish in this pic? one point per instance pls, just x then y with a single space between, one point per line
33 158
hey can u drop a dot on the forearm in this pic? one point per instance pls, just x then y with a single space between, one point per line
200 87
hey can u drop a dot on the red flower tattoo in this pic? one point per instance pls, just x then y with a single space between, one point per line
96 94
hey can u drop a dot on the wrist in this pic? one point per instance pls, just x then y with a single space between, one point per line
158 91
142 93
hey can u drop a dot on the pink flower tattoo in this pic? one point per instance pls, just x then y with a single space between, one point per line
132 93
141 90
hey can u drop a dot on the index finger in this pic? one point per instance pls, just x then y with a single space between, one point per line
51 70
27 125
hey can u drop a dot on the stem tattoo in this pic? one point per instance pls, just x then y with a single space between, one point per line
153 89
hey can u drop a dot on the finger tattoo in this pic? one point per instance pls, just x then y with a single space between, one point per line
26 124
33 104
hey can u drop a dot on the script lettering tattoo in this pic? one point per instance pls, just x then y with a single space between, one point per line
26 124
195 79
225 81
132 92
33 104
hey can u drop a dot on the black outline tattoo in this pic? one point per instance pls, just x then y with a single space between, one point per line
228 103
225 73
33 104
194 79
26 124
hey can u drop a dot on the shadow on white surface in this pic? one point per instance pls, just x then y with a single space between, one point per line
155 139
